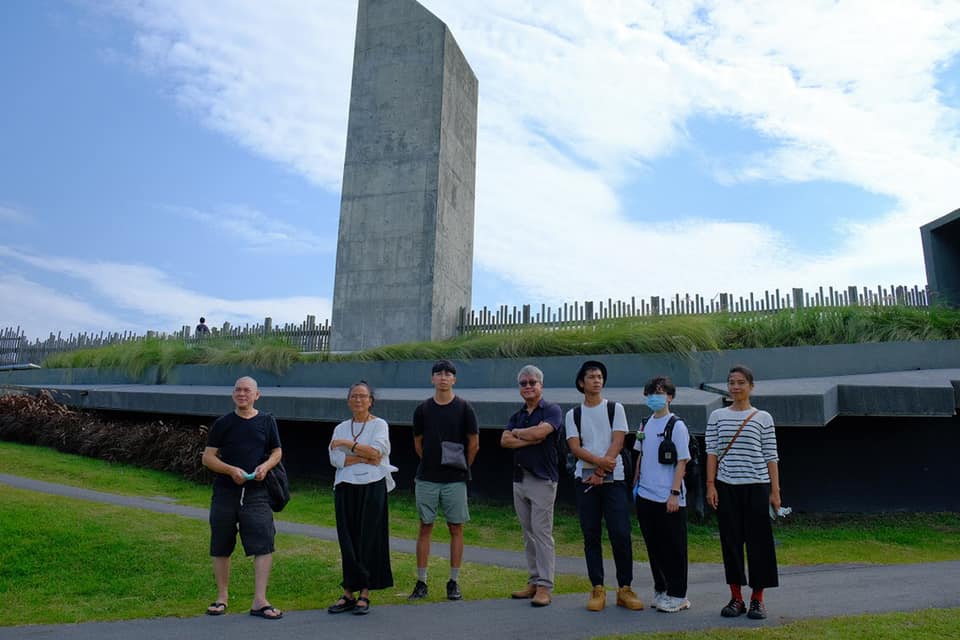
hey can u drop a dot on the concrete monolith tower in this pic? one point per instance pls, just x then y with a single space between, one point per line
405 246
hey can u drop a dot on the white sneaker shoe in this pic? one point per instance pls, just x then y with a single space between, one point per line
670 604
658 597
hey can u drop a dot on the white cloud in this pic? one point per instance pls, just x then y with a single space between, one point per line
151 295
275 76
13 214
576 97
258 231
40 311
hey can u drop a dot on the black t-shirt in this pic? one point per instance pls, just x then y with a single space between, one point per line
451 422
243 442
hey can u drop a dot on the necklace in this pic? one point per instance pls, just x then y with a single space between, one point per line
363 425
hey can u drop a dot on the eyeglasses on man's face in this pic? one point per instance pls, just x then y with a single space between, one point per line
528 383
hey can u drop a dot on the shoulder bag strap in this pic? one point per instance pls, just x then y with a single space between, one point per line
737 435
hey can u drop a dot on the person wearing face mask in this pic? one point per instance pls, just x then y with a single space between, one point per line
660 496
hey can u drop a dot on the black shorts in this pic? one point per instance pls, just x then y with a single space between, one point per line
253 519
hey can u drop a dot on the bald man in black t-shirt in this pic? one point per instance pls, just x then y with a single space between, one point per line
242 447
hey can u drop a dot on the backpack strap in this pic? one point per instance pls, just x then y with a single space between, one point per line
668 429
577 412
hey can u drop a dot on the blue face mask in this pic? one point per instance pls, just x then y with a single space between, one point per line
656 402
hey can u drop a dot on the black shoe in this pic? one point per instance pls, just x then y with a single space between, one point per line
734 608
757 610
419 591
453 590
341 605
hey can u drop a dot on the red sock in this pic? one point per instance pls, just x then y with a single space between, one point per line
735 592
757 595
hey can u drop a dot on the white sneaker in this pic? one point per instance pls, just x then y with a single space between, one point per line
670 604
658 597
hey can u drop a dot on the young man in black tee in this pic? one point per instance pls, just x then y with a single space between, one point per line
242 447
446 437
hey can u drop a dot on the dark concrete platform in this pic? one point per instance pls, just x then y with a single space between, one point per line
800 386
328 404
817 401
797 402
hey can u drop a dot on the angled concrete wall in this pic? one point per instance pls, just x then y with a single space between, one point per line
941 256
405 246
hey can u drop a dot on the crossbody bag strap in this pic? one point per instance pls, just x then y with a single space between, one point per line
737 434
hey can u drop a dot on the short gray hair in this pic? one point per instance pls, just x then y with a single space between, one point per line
531 371
256 387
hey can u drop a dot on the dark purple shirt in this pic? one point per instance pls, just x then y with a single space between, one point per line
539 459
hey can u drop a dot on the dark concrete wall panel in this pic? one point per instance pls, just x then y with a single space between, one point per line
941 256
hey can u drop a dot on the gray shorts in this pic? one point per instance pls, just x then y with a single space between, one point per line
254 521
448 498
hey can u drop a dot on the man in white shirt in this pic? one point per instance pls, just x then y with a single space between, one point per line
595 436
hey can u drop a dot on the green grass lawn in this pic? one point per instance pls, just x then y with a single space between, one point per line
66 561
71 561
803 539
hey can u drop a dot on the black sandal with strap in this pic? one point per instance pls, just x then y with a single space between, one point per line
341 605
362 610
217 608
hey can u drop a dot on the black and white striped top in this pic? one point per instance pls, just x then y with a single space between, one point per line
746 461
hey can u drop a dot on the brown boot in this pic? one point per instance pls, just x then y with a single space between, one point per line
628 599
598 598
526 593
542 597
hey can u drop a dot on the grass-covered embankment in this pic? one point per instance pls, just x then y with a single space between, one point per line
673 334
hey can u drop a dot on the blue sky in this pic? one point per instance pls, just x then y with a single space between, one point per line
166 160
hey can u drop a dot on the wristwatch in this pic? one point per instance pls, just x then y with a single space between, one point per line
674 492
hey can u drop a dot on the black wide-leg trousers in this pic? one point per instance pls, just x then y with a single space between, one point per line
743 513
364 536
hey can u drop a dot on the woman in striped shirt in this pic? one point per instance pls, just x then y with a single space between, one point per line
743 483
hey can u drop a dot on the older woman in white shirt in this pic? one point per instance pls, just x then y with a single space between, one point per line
360 451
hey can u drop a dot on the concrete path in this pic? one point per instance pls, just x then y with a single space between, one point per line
805 592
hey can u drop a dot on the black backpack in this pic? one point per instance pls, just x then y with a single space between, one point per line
565 455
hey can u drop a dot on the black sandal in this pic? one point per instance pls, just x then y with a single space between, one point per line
365 609
341 605
217 608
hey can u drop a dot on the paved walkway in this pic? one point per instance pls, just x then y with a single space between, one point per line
806 592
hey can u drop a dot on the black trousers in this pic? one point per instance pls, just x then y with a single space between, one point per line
607 502
363 532
743 514
665 535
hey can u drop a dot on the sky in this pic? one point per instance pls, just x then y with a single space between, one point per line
166 159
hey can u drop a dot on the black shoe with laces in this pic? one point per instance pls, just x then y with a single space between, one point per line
419 591
757 610
734 608
453 590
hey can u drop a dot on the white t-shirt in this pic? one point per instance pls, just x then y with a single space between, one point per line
374 433
595 433
656 480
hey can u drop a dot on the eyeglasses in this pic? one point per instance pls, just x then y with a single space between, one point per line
528 383
358 396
